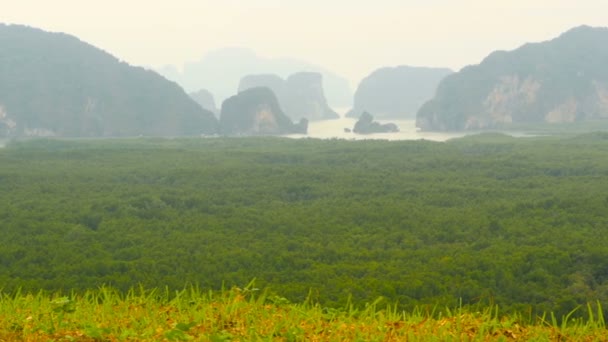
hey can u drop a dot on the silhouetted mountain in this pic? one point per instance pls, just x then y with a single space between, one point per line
396 93
220 71
206 100
306 97
256 111
56 85
557 81
300 96
274 82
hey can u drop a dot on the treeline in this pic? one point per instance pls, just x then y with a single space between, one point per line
517 222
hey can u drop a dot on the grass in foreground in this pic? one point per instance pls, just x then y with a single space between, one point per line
244 315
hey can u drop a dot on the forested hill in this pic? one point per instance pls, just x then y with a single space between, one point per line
557 81
52 84
517 222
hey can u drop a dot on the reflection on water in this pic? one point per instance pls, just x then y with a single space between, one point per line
329 129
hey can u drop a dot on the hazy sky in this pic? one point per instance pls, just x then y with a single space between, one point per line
351 37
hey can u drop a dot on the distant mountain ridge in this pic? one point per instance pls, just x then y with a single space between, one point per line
221 70
557 81
300 96
206 100
396 92
53 84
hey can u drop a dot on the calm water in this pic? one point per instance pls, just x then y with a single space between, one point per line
335 129
329 129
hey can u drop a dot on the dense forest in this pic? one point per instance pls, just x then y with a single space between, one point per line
517 222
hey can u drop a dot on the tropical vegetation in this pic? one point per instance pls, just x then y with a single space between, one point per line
481 220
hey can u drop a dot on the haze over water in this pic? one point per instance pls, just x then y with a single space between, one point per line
336 129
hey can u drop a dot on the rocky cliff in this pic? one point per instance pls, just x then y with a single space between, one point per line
256 111
271 81
52 84
557 81
220 71
396 93
300 96
206 100
306 98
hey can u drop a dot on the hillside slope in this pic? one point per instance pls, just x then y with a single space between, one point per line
52 84
558 81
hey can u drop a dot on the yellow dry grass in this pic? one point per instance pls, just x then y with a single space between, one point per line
238 315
